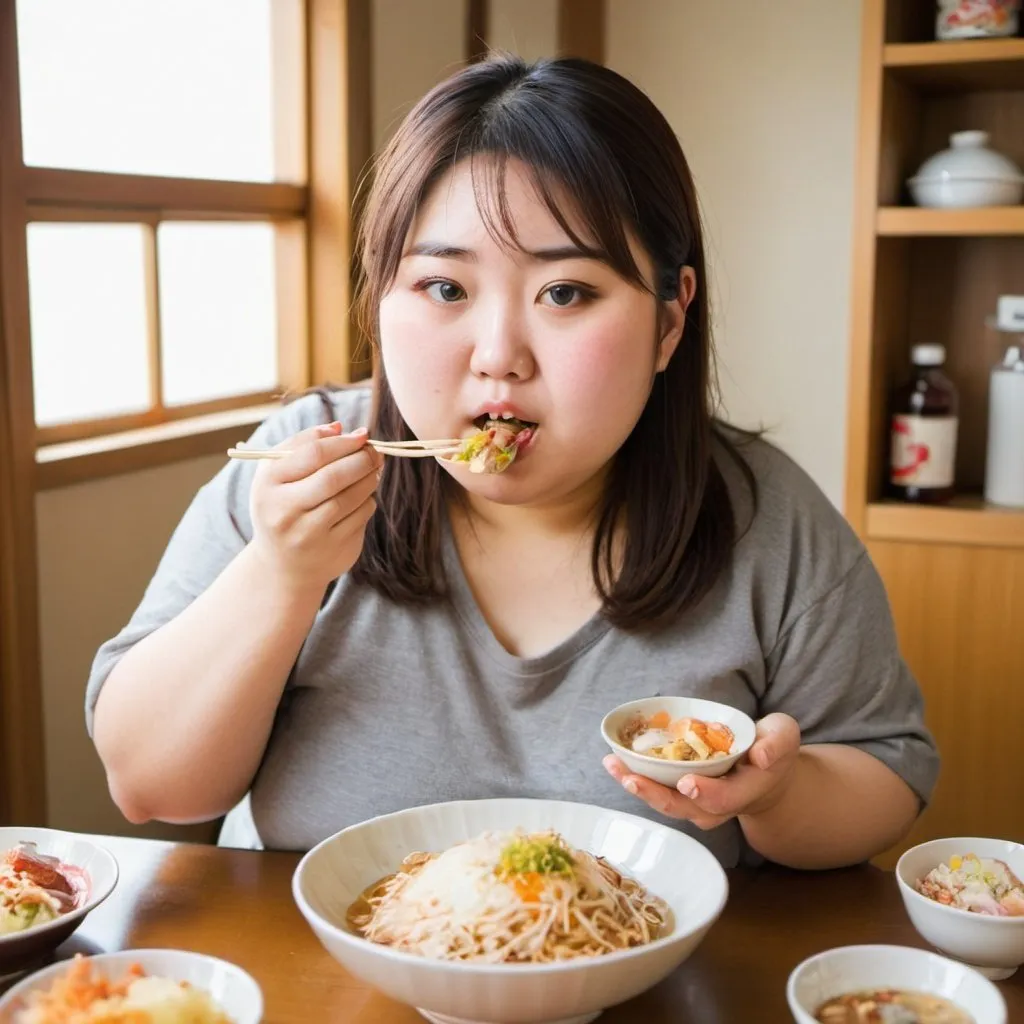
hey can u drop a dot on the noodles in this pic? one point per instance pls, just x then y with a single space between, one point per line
509 898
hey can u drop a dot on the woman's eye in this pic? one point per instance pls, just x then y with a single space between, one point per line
563 295
444 291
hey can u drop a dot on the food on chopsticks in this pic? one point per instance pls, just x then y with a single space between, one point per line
681 739
508 897
84 995
495 445
891 1006
35 888
981 885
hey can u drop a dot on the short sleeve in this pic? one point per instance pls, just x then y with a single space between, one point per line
837 670
214 529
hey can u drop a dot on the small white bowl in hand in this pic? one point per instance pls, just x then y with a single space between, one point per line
993 945
235 992
668 773
849 969
95 866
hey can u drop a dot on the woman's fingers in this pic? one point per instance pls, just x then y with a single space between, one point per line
335 509
312 450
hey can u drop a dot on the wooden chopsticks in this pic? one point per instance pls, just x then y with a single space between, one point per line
402 449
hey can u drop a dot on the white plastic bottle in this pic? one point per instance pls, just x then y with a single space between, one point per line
1004 461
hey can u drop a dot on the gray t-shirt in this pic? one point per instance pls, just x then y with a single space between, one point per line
389 707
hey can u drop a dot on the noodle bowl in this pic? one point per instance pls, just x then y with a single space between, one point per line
508 911
509 897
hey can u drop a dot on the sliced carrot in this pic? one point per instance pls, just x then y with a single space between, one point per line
528 886
659 720
719 737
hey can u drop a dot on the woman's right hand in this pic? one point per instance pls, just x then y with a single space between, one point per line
310 509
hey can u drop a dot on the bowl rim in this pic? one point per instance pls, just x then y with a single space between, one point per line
474 968
906 887
883 947
646 759
96 897
53 970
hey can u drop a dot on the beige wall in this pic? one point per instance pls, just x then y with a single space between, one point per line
415 45
526 27
98 546
763 99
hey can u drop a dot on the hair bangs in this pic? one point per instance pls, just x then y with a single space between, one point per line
575 178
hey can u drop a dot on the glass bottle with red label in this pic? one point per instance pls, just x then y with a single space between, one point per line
923 431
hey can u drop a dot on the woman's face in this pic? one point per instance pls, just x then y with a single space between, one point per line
471 328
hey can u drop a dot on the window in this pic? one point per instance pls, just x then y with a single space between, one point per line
172 247
165 202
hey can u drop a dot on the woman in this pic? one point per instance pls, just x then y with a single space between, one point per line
335 637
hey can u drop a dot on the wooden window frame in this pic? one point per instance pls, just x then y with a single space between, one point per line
61 195
338 142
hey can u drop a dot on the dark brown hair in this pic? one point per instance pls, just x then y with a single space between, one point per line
589 134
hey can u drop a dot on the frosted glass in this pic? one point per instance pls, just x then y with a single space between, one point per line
182 88
218 310
87 307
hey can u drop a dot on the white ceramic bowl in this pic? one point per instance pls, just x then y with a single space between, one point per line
231 988
668 773
994 945
967 174
856 968
99 871
667 862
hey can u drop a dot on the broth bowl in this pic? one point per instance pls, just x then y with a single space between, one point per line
668 773
993 945
849 969
666 861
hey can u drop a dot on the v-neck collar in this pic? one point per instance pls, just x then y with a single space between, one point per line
465 604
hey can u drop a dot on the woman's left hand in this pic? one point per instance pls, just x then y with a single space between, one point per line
753 785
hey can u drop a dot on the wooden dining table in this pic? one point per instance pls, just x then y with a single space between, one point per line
237 904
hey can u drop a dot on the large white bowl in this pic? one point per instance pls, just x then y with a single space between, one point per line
231 988
668 773
836 972
667 862
994 945
99 869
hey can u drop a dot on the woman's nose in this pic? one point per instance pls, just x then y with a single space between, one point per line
501 350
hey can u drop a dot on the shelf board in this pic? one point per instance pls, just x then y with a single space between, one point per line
965 64
908 221
965 521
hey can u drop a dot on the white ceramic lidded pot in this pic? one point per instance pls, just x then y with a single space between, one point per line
968 174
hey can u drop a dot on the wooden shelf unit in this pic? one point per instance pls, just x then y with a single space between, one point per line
914 222
979 64
965 521
954 574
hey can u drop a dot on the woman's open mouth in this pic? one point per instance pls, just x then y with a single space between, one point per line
497 443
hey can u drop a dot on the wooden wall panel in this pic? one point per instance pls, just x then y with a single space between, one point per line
958 613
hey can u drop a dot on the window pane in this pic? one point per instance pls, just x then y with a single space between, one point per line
183 88
87 304
218 310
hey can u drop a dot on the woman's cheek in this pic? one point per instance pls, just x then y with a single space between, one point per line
607 373
421 363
